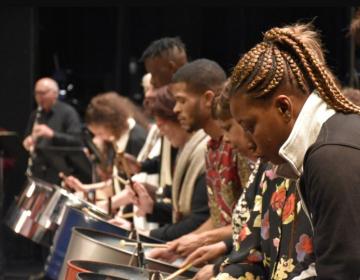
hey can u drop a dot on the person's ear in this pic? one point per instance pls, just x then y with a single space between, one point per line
172 66
284 107
208 97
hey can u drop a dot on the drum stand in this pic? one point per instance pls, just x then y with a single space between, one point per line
139 248
91 196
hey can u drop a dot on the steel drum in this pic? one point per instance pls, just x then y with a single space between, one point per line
39 210
96 276
87 218
89 244
78 266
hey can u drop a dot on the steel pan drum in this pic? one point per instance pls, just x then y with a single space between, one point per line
89 244
77 266
95 276
39 210
80 218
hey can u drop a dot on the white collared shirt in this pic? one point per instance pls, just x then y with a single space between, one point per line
313 115
122 142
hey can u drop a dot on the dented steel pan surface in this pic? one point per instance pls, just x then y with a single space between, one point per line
89 244
124 271
39 210
96 276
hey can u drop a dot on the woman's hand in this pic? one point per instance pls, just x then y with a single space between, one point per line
73 183
125 197
120 222
205 254
131 163
163 254
186 244
204 273
144 202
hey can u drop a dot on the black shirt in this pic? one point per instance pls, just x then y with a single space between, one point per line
330 188
199 214
65 122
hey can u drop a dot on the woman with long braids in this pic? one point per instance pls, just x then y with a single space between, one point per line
289 103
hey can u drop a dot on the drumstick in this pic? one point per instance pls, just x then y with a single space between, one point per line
126 215
127 172
90 213
124 243
121 180
126 167
178 272
109 206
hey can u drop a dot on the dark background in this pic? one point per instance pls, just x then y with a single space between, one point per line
93 47
97 48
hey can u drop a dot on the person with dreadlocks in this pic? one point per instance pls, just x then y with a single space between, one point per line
162 58
288 102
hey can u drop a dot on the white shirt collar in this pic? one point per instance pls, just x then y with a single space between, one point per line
121 143
304 133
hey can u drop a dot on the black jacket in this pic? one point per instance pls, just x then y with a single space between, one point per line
137 139
65 122
198 215
330 188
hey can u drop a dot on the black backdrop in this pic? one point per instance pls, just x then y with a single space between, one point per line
94 48
98 44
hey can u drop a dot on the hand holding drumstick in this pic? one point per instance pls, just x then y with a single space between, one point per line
75 184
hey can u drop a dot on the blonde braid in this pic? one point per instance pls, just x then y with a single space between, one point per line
267 64
279 72
247 64
239 68
295 71
340 103
325 85
276 35
330 92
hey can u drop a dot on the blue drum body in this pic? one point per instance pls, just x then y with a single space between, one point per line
79 218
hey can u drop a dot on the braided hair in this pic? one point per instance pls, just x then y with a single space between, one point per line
292 51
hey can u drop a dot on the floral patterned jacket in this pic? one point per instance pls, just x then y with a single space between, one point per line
272 236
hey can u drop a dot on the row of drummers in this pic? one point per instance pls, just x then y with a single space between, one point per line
214 206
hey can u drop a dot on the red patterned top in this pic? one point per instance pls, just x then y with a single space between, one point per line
226 170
